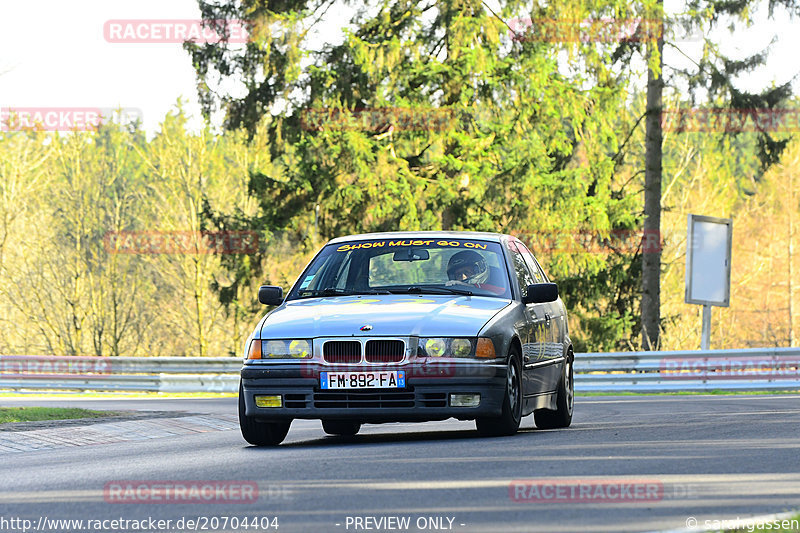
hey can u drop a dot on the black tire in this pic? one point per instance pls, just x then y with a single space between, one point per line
257 432
562 416
508 421
341 427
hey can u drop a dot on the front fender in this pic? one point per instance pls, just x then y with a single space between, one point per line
504 327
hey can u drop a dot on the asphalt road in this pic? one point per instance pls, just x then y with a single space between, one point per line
626 464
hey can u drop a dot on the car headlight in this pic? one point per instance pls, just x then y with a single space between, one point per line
300 349
446 347
273 348
435 347
461 347
286 349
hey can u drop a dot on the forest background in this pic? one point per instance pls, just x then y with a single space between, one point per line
427 116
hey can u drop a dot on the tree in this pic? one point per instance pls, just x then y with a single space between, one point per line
24 158
186 170
715 75
711 78
22 162
64 282
427 116
651 257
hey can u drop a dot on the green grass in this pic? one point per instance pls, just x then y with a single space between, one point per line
61 395
37 414
715 392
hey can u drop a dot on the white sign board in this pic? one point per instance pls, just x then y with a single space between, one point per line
708 260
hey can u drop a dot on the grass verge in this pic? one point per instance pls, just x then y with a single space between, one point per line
715 392
61 395
79 395
37 414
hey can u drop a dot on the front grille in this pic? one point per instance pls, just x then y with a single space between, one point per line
365 399
348 352
385 351
433 399
294 401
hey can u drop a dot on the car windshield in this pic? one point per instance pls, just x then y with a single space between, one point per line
406 266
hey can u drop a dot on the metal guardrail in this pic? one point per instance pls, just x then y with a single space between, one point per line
741 369
745 369
143 374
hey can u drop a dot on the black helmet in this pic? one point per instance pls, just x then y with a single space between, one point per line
459 263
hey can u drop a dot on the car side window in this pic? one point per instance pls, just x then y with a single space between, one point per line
332 272
524 277
539 269
533 266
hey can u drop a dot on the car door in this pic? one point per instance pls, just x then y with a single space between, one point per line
531 327
555 322
558 314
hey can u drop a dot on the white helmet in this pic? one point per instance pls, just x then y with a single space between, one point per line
468 266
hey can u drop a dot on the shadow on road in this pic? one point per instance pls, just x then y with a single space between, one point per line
392 438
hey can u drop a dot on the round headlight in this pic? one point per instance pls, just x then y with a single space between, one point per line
299 349
435 347
275 349
461 347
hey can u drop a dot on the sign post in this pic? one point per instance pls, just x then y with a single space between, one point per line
708 266
705 339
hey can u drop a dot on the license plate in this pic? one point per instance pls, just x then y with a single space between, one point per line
395 379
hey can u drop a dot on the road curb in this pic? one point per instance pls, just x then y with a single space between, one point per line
111 432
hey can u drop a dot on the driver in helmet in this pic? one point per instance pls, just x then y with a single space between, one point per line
468 267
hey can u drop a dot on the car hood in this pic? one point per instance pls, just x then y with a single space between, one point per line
388 315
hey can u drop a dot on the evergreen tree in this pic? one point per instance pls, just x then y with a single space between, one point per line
427 116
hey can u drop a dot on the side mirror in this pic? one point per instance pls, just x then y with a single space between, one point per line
270 295
540 293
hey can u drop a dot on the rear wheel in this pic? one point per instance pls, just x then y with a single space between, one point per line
562 416
508 421
341 427
260 433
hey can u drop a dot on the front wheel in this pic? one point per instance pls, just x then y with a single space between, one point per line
508 421
562 416
260 433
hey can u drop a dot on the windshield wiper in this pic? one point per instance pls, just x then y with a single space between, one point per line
435 290
332 291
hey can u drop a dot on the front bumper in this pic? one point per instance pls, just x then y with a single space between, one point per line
426 395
